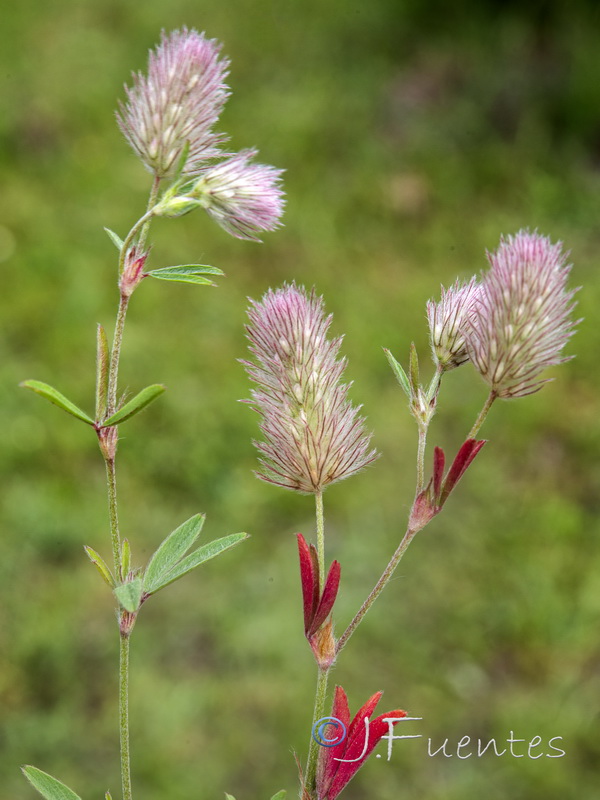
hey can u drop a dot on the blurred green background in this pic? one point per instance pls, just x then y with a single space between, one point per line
413 134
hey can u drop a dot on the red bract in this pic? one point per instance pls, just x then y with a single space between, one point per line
430 501
317 604
340 763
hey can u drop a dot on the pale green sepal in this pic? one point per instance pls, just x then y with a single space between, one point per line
182 161
116 240
281 795
134 406
100 565
125 557
102 367
50 393
171 551
229 796
199 556
129 594
414 369
108 796
398 372
48 786
187 273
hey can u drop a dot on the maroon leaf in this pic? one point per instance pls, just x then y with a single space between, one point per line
439 460
332 585
464 457
310 581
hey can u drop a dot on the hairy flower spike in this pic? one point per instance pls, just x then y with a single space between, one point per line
243 198
446 320
521 318
177 103
313 434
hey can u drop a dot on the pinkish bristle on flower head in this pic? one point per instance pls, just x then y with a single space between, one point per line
242 197
521 318
313 435
177 103
446 320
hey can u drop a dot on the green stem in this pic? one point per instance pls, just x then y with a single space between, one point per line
151 203
323 675
482 415
421 457
111 482
115 356
378 588
320 535
318 713
124 715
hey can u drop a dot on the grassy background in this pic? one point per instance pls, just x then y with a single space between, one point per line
413 135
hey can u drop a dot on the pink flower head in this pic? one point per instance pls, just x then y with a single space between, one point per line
243 198
338 764
446 320
177 103
521 318
313 434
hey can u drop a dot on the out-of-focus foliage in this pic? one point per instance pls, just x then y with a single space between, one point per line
413 134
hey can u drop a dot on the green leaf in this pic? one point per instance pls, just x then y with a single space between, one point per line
414 369
398 372
50 393
199 556
187 273
134 406
125 557
108 796
229 796
48 786
280 795
100 565
129 594
102 366
116 240
171 551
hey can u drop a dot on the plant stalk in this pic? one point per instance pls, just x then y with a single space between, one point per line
124 716
323 675
482 415
377 589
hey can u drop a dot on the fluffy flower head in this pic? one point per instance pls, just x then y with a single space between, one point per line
313 436
243 198
521 318
177 103
446 320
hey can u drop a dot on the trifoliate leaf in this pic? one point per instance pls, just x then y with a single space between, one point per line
54 396
171 551
134 406
48 786
129 594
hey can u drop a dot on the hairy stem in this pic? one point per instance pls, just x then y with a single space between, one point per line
323 675
421 457
482 415
377 589
124 715
115 356
111 482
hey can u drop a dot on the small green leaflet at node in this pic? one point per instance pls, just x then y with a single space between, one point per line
100 565
54 396
135 405
398 371
125 558
229 796
116 240
281 795
48 786
187 273
168 562
102 370
129 594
